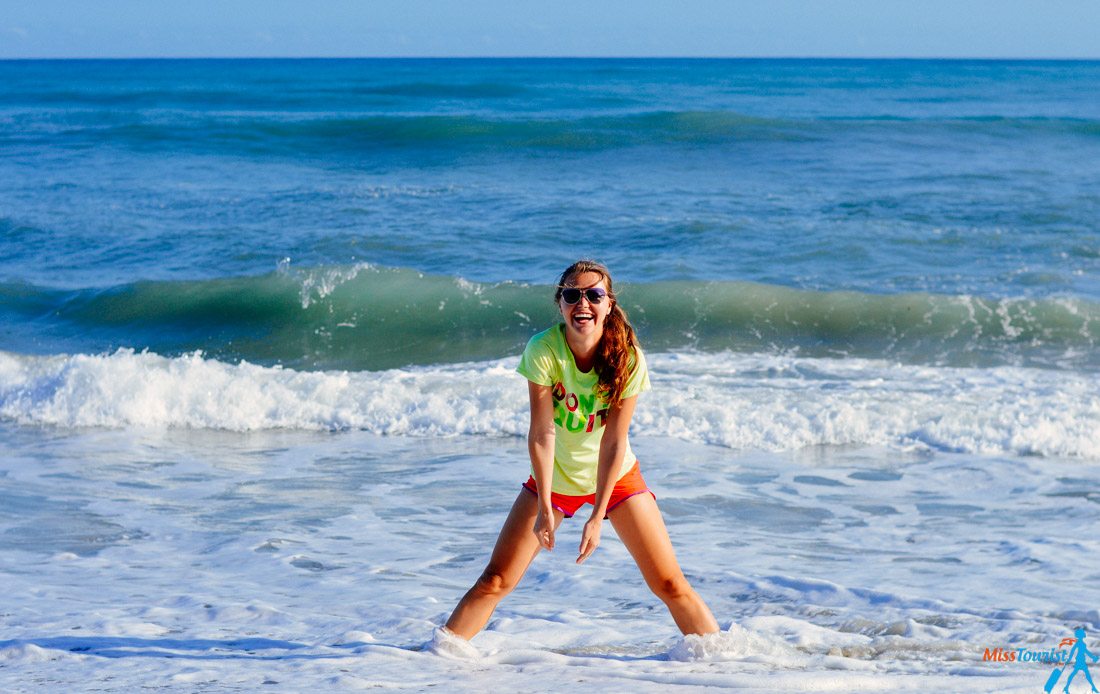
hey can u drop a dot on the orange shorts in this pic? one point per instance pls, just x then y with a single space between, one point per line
630 484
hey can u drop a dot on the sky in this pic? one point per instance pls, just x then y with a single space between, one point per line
507 28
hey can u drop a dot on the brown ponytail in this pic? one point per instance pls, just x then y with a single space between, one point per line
617 346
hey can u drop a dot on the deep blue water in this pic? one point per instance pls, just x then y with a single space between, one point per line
225 205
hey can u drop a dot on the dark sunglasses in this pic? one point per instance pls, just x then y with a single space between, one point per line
572 295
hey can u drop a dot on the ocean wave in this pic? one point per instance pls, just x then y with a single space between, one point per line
368 317
738 401
338 132
294 128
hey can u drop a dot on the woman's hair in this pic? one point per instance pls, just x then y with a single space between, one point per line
613 355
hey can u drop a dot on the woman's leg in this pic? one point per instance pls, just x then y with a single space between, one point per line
515 548
638 523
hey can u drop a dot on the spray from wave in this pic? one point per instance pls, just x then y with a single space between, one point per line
764 402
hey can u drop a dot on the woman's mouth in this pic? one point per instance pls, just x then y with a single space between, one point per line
583 318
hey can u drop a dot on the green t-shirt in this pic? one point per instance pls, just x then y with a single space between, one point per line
579 413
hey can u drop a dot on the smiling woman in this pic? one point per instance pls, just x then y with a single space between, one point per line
584 377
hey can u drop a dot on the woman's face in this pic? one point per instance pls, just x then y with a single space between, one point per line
585 318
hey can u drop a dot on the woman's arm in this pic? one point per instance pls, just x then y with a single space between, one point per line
540 444
612 450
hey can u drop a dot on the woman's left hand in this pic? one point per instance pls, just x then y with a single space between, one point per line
590 538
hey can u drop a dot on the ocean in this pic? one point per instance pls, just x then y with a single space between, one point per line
259 321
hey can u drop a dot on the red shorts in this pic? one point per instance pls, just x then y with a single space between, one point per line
628 485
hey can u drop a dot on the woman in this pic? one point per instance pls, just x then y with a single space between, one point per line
584 376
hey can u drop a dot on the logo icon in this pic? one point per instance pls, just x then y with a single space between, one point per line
1076 657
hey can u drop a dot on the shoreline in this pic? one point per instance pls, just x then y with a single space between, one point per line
319 559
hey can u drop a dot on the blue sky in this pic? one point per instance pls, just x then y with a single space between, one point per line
765 28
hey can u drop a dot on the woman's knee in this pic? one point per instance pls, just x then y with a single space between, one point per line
492 582
671 587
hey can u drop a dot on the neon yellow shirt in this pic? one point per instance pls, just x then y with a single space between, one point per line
579 413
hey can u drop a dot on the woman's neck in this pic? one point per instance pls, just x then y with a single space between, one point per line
583 348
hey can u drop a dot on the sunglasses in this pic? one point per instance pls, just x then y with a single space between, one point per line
572 295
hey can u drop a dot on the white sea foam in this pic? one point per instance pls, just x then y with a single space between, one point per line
447 644
763 402
291 559
735 643
27 653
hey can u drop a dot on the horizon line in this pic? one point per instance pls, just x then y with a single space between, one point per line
565 57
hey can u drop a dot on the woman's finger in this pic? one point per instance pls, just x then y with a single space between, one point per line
588 546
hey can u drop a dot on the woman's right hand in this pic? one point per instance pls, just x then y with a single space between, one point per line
544 529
